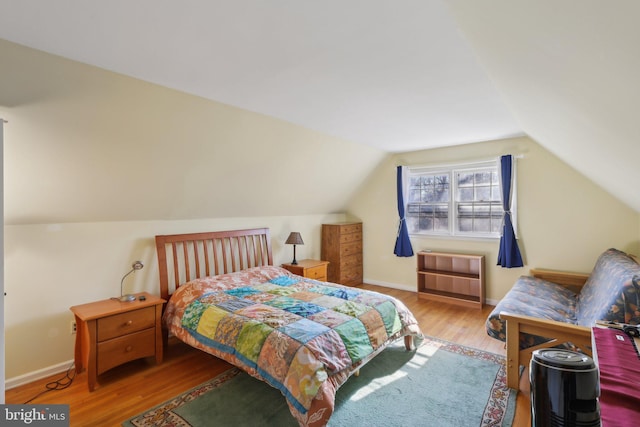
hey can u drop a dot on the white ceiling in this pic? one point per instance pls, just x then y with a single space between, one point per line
399 75
395 75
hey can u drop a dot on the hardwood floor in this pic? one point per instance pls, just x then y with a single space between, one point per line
134 387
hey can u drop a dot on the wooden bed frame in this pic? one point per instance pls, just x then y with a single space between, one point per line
186 257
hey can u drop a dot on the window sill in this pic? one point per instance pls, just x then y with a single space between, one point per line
455 237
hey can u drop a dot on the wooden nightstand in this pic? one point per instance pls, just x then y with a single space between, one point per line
310 268
111 332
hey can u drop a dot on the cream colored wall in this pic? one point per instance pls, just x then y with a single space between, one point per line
564 220
97 163
50 267
84 144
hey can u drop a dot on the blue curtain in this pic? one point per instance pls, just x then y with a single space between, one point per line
403 244
509 254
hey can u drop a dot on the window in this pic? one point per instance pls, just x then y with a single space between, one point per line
462 200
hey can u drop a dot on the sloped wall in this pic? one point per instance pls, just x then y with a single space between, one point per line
84 144
97 163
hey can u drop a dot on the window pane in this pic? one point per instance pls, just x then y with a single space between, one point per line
483 193
476 207
482 225
426 224
483 177
465 194
495 192
441 224
414 195
465 179
496 225
465 225
441 193
412 224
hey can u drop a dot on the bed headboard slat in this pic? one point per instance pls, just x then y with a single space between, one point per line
183 256
175 261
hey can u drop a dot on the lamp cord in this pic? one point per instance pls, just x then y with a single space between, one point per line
59 384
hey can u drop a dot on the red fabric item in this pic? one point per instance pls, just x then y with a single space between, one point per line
619 367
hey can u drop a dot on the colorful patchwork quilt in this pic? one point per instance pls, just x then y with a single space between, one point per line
301 336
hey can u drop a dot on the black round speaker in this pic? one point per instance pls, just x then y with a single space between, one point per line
565 387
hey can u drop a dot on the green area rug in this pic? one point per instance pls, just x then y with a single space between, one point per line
440 384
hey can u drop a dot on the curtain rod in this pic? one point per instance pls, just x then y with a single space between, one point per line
469 163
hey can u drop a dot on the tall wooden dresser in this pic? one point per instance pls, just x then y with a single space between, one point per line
342 247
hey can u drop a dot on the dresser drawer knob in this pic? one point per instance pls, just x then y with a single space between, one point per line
129 323
128 349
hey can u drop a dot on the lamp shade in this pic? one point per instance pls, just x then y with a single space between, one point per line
294 239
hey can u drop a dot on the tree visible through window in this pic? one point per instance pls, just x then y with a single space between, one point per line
462 200
428 205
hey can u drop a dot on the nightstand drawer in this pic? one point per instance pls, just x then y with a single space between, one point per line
317 273
125 323
117 351
309 268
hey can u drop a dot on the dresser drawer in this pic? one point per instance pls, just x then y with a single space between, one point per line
351 261
119 350
351 249
125 323
350 237
317 273
351 276
351 228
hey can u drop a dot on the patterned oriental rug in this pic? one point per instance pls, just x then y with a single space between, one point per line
441 384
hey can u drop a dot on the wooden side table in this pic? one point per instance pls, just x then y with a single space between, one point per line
310 268
111 332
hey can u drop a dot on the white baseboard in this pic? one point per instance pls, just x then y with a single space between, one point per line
492 302
37 375
389 285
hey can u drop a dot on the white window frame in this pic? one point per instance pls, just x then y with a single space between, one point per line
451 170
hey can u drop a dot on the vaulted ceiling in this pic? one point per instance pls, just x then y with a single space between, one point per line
400 76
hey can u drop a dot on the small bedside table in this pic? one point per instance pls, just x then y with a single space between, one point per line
310 268
111 332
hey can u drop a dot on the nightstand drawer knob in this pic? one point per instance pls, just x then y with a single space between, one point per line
128 349
129 323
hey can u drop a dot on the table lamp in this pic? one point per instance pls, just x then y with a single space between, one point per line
135 266
294 239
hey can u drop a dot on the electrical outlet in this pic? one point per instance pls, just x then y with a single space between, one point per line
74 327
